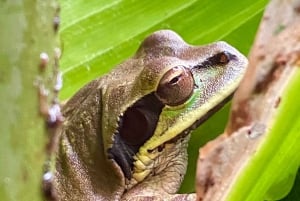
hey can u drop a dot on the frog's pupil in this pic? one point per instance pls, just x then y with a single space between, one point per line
174 80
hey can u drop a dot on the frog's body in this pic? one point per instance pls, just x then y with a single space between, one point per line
126 133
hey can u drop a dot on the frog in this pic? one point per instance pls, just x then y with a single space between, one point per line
125 134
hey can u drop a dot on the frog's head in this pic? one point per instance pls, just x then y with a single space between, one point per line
156 98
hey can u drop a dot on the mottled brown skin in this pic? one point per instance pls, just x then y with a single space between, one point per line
84 170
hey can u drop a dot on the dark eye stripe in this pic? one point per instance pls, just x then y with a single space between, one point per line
135 127
221 58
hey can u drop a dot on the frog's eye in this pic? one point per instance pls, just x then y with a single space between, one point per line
176 86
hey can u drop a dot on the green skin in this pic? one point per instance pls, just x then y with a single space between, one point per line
88 169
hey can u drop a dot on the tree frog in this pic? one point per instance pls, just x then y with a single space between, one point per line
125 134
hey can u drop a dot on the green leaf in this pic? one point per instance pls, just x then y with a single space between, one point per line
273 168
294 195
97 35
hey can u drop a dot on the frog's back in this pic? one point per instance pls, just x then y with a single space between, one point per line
83 171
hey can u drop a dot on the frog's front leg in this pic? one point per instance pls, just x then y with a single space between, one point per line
155 192
161 197
149 192
166 173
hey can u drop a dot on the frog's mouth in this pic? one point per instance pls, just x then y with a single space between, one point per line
137 125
